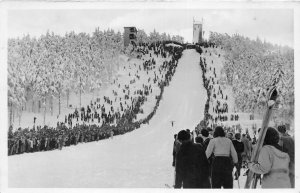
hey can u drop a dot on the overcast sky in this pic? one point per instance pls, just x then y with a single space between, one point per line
274 25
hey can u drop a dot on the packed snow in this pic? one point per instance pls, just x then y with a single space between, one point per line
173 45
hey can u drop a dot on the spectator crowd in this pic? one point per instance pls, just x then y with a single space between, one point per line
208 159
114 114
216 109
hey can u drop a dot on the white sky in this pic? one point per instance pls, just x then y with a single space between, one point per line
274 25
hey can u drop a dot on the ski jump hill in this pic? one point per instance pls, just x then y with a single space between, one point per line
139 159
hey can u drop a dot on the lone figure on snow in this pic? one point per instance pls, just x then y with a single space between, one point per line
172 122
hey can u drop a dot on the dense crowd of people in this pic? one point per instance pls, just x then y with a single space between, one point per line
113 114
208 160
216 108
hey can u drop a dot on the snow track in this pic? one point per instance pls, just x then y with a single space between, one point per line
140 159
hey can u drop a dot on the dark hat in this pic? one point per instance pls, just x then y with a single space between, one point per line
183 135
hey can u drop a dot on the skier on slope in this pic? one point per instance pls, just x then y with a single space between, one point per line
172 122
272 162
191 164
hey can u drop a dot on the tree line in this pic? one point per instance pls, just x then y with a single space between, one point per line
252 66
52 66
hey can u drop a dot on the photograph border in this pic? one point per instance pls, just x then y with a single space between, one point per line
23 5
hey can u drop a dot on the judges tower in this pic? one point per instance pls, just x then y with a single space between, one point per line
130 35
197 31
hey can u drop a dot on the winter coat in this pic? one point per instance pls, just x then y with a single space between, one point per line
176 147
274 165
206 142
288 144
191 167
239 147
247 147
221 146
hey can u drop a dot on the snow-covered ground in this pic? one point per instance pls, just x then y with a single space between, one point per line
142 158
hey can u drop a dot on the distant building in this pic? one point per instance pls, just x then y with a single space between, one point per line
197 32
130 34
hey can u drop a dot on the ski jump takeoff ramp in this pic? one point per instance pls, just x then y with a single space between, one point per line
139 159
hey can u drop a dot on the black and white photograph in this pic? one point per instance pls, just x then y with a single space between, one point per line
113 96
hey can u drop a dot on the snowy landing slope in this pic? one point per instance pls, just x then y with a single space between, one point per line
142 158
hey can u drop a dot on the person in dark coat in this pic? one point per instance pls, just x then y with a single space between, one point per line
239 148
205 137
174 150
176 147
288 145
191 164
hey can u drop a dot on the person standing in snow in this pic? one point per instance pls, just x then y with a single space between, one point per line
246 154
172 122
176 146
206 139
287 143
191 164
272 162
239 147
224 155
